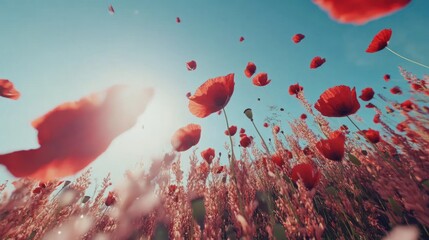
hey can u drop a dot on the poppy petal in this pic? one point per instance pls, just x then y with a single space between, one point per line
7 90
380 41
186 137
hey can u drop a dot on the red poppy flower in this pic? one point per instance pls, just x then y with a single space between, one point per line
261 79
172 189
110 200
219 169
376 118
241 39
332 148
317 62
74 134
294 89
276 129
367 94
416 87
186 137
396 90
303 116
178 20
386 77
37 190
278 160
372 135
208 155
408 105
307 173
250 69
242 130
191 65
8 90
401 127
232 130
111 9
338 101
297 37
245 141
360 12
307 151
344 128
380 41
266 124
370 105
212 96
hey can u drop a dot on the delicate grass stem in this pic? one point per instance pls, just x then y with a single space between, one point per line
407 59
263 141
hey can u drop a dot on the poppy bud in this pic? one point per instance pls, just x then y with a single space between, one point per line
249 114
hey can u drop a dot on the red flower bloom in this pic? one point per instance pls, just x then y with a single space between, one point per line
111 9
208 155
110 200
294 89
367 94
303 116
172 189
186 137
245 141
370 105
380 41
408 105
241 39
219 169
37 190
386 77
376 118
297 37
266 124
278 160
178 20
332 148
396 90
7 90
307 173
261 79
338 101
242 130
362 11
212 96
74 134
307 151
232 130
401 126
372 135
191 66
416 87
317 62
276 129
250 69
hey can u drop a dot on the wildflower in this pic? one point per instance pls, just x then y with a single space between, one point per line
250 69
372 135
208 155
8 90
266 124
261 79
380 41
249 114
212 96
338 101
191 65
276 129
367 94
186 137
408 105
376 118
396 90
386 77
278 160
245 141
110 200
219 169
360 12
303 116
332 148
74 134
231 131
294 89
297 37
307 173
370 105
317 62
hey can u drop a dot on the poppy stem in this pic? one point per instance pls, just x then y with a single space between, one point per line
354 124
229 134
409 60
263 141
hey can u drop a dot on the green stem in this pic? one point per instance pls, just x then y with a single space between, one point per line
409 60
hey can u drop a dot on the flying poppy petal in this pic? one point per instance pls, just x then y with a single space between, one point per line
367 94
241 39
111 9
261 79
178 20
386 77
317 62
7 90
191 65
186 137
380 41
231 131
212 96
396 90
338 101
250 69
74 134
297 37
360 12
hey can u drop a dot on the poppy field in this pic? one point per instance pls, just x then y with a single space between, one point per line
331 160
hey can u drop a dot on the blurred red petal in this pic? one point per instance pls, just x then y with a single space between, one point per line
297 37
186 137
250 69
7 90
317 62
380 41
261 79
191 65
367 94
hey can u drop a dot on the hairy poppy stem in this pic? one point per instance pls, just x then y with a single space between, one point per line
263 141
409 60
354 124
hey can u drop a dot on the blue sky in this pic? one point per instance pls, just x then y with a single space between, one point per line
58 51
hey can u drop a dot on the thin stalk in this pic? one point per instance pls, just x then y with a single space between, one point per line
263 141
407 59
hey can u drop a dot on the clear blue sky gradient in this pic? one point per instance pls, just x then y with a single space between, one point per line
58 51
